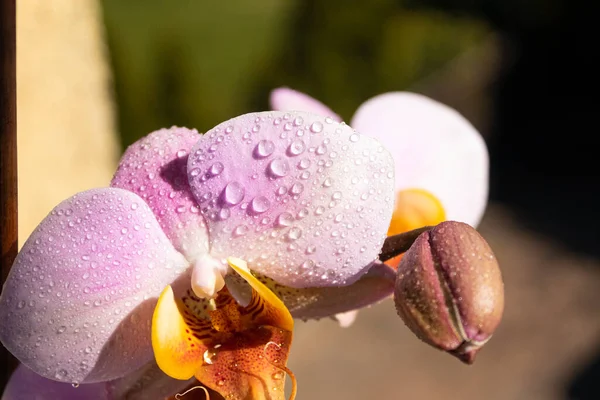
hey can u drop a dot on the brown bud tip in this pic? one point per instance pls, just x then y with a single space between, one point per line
449 289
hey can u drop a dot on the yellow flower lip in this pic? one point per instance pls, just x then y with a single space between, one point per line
238 351
414 208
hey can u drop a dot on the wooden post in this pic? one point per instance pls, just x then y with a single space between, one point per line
8 156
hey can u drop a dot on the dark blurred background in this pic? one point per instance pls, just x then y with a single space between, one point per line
524 72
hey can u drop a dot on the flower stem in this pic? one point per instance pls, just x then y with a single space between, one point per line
398 244
8 156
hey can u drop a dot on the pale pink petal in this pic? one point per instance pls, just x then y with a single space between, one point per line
435 148
321 302
314 303
155 168
24 384
149 382
305 200
286 99
79 298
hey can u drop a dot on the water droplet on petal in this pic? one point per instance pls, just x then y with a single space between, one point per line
316 127
260 204
241 230
285 219
264 148
304 163
234 193
297 188
279 167
294 233
354 137
216 168
297 147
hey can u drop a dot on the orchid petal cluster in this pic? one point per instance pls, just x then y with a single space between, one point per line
193 263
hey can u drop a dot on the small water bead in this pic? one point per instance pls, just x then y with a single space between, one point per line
308 264
319 210
311 249
329 120
287 126
234 193
260 204
224 213
281 190
297 188
316 127
229 129
302 213
285 219
256 128
336 195
327 182
264 148
294 233
304 163
216 169
305 175
321 149
181 153
354 137
279 167
241 230
297 147
298 121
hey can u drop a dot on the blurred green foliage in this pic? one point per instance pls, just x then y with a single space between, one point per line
196 63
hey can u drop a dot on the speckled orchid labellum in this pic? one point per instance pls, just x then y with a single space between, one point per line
194 262
449 289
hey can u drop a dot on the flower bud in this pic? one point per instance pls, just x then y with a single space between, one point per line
449 290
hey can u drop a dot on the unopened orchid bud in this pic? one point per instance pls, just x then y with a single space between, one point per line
449 289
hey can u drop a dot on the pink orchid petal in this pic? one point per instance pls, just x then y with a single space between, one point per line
24 384
149 382
146 383
285 99
79 298
435 148
314 303
155 168
305 200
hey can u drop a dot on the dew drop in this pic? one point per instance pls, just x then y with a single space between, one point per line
264 148
316 127
327 182
279 167
234 193
285 219
241 230
297 147
321 149
224 213
297 188
294 233
260 204
354 137
304 163
216 169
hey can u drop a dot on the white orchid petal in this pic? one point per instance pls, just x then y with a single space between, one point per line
79 298
434 147
305 200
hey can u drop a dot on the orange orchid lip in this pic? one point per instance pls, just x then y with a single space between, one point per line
238 351
415 208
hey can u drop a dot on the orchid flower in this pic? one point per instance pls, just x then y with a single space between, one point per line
441 160
198 256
